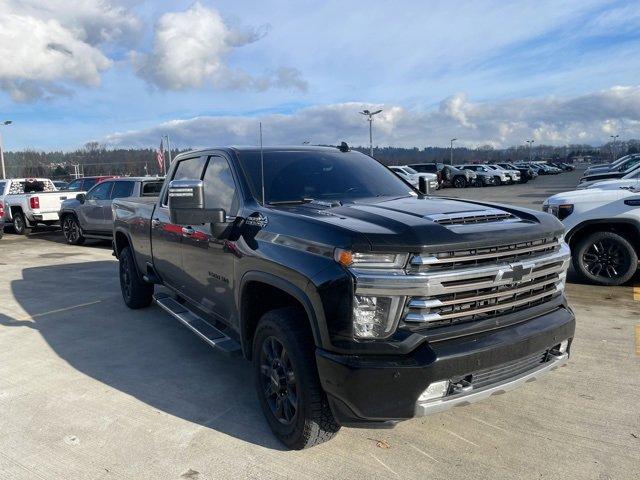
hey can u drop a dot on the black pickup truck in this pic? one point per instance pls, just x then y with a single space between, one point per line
360 301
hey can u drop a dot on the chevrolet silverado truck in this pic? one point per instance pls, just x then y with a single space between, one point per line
29 202
360 301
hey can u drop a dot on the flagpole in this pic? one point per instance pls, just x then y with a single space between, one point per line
169 149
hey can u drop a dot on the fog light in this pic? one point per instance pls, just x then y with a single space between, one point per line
435 390
563 346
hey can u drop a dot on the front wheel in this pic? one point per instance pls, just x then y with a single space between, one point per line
287 382
605 258
459 182
20 224
136 292
72 231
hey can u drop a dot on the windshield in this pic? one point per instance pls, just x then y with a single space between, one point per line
321 175
409 170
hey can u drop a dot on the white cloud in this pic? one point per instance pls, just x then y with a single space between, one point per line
45 44
587 118
190 49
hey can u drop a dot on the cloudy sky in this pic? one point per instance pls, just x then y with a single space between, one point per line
206 72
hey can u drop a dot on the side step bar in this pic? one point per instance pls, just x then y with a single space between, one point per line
197 325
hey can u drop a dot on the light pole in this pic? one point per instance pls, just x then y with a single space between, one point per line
530 142
613 147
451 151
6 122
369 116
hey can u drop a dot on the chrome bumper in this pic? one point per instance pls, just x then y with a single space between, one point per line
462 399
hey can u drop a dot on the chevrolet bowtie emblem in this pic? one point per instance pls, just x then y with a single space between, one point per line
517 272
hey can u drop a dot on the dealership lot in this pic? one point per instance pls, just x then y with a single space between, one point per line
90 389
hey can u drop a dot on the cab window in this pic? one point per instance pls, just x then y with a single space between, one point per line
122 189
100 191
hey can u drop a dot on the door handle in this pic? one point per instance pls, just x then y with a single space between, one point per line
155 223
187 231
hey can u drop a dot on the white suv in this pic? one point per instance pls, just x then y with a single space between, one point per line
603 230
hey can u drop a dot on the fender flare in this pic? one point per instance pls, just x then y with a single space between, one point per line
602 221
286 286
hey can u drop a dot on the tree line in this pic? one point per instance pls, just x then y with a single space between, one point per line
96 159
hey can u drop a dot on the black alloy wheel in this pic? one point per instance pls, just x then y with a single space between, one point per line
71 231
278 381
606 258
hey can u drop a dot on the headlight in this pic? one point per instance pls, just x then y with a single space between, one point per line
564 211
374 317
347 258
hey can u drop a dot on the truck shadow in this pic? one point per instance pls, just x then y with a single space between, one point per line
145 353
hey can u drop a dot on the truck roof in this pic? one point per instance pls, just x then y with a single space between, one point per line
256 148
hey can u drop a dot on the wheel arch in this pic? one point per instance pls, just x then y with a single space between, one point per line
625 227
274 292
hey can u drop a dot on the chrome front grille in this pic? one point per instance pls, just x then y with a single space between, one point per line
475 257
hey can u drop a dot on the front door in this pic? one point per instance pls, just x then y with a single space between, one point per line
91 212
166 237
208 262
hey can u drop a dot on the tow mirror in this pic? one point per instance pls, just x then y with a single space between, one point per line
186 204
81 197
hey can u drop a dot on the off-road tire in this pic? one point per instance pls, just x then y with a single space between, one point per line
71 230
313 422
136 292
20 225
617 251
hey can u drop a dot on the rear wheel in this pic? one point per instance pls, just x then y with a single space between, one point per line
459 182
72 231
605 258
135 292
287 380
20 224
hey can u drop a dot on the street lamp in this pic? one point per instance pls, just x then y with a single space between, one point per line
613 148
530 142
451 151
370 115
6 122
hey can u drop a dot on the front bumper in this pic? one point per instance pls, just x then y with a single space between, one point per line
378 391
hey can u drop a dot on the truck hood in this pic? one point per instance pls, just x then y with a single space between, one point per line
615 184
588 195
419 224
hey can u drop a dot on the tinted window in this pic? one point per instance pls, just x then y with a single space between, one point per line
74 186
100 192
88 184
190 169
122 190
219 187
321 175
2 186
151 189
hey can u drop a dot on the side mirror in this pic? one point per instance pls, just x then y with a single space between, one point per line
186 204
81 197
423 186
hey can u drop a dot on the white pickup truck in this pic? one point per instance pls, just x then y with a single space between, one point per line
603 230
31 201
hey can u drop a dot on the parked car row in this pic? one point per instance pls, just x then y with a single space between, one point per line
82 207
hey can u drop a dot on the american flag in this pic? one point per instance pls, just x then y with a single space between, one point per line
160 156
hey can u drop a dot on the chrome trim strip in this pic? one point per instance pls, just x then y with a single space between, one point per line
462 399
433 303
419 261
434 317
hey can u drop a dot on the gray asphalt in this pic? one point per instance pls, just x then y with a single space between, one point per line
92 390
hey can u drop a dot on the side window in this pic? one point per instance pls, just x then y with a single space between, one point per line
100 192
74 186
121 190
219 187
151 189
88 184
2 186
187 169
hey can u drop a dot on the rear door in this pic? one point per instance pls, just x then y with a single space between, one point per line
166 237
121 189
91 212
207 261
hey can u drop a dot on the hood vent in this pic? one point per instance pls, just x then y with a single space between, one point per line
473 217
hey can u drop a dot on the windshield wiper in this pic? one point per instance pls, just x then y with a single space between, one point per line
299 201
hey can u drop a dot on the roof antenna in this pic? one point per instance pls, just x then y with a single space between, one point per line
344 147
262 164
